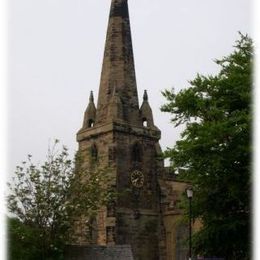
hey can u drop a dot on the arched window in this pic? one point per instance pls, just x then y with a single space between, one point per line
94 152
136 153
111 209
145 123
111 153
90 123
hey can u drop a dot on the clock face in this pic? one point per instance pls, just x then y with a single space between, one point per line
137 179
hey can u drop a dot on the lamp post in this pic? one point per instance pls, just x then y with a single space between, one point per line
190 195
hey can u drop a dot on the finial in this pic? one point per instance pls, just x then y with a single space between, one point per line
91 98
145 96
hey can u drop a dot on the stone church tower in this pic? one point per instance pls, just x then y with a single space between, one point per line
121 134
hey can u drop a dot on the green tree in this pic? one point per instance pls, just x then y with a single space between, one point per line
47 199
214 152
22 241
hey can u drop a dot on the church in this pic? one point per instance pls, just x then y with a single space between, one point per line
121 133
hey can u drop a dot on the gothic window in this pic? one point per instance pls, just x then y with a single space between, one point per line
136 153
90 123
111 209
110 237
111 154
145 123
89 230
94 152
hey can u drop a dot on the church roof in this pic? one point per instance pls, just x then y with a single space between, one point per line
122 252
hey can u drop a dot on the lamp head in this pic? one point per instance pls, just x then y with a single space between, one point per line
189 192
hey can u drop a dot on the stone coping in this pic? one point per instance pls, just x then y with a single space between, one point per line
96 252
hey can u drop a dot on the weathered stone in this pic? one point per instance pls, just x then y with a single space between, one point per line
122 135
122 252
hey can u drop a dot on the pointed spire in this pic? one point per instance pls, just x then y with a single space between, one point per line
90 113
146 112
118 66
145 96
91 97
119 8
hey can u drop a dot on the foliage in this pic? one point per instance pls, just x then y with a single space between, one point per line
214 152
48 199
22 241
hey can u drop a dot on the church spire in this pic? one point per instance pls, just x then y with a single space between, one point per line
91 97
118 69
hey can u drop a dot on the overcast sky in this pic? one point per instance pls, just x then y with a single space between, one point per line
56 50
